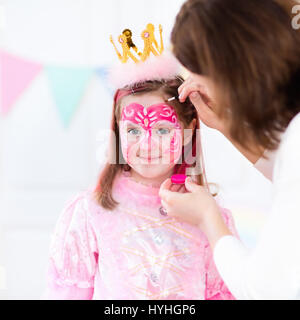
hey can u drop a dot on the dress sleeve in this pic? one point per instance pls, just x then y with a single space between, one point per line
215 286
272 269
73 255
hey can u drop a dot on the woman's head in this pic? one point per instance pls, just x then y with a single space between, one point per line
153 136
252 54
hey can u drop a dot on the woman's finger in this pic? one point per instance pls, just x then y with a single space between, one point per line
171 198
188 82
184 84
182 189
166 185
196 82
167 195
175 187
170 209
204 111
165 206
191 186
164 190
207 114
188 89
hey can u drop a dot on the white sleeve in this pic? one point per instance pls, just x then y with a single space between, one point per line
272 269
266 165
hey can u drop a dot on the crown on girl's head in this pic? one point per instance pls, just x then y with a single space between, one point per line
152 63
150 45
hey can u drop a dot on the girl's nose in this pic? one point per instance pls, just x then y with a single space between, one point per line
148 147
146 143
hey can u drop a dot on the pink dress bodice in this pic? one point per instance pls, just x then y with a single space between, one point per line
132 252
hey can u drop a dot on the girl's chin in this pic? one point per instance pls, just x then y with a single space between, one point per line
152 171
157 162
161 161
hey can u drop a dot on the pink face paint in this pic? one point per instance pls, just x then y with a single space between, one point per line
144 122
147 117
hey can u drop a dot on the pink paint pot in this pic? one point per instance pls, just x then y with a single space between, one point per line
178 178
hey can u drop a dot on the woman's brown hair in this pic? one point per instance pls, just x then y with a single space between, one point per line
251 52
186 113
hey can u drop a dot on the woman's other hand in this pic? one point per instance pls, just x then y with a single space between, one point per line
197 207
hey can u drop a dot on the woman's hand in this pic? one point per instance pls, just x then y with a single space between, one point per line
200 91
197 207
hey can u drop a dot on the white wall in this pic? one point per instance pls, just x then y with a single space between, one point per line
42 164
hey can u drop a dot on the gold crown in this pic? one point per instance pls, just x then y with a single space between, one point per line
150 44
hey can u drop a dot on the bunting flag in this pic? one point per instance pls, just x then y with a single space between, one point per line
102 73
15 76
68 86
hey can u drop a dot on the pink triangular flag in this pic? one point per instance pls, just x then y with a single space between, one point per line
15 75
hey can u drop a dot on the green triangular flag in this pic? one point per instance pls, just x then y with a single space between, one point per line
68 85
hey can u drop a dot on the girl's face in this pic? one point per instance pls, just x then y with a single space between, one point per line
151 134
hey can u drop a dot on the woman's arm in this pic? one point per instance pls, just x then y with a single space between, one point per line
272 269
216 289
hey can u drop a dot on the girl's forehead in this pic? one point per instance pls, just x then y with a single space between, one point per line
150 116
146 99
157 108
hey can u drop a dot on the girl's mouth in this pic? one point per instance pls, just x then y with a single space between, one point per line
149 158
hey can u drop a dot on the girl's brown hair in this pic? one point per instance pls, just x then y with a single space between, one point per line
186 113
251 52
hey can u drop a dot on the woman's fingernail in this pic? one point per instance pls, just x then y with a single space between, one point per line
194 95
190 180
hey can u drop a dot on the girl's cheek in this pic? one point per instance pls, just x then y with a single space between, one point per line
128 150
172 147
124 144
176 142
176 145
130 146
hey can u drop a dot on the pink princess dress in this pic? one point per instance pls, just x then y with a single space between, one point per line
132 252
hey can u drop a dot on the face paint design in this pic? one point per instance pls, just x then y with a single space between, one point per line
150 130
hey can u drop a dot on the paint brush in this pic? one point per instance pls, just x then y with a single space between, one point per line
172 98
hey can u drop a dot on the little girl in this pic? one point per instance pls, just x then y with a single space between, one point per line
114 241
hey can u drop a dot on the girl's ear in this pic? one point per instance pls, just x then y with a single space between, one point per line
188 132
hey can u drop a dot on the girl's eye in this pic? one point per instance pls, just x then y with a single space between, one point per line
134 131
163 131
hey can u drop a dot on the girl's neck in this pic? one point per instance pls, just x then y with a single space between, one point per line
153 182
